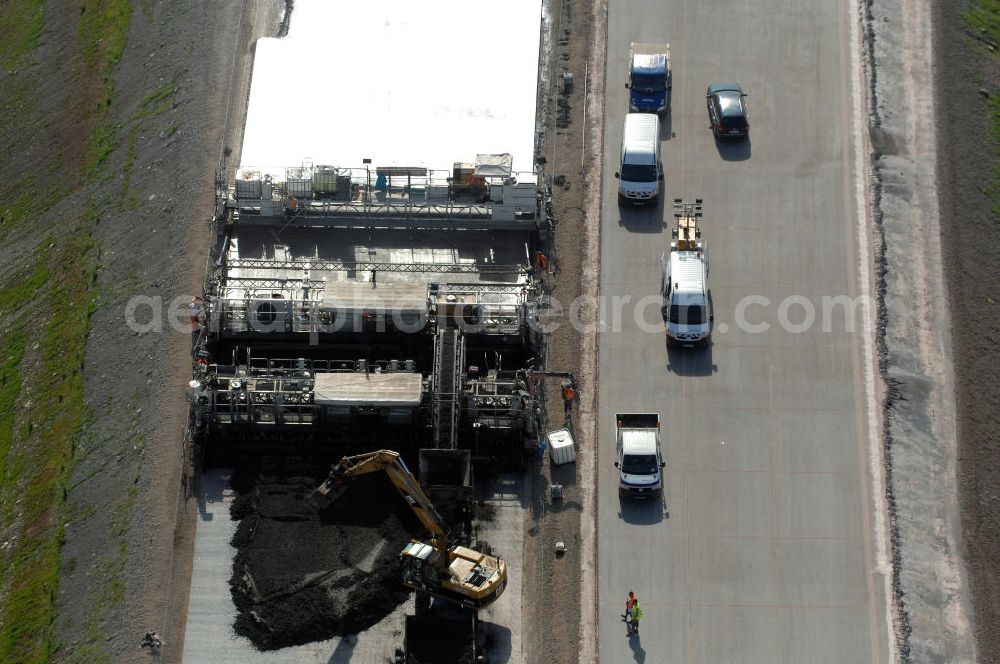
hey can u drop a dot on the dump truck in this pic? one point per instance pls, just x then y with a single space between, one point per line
453 573
687 302
440 638
639 461
649 77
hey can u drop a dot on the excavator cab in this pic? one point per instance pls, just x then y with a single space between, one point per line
469 580
419 562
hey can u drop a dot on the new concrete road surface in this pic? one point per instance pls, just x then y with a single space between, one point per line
764 547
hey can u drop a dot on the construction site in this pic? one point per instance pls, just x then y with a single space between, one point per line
371 315
326 339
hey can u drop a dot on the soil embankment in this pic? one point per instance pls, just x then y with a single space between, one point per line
932 614
180 90
966 74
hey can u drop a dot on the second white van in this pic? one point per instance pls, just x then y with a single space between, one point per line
640 170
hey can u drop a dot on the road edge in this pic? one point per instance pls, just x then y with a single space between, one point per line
870 280
591 279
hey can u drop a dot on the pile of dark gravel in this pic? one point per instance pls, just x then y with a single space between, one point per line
299 576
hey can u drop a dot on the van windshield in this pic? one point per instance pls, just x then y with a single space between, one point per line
639 464
638 173
683 314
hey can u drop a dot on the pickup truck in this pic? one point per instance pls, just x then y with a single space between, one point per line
649 78
687 303
640 462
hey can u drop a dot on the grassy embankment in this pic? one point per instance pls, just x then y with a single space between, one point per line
46 298
983 20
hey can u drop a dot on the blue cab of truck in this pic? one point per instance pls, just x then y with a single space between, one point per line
649 80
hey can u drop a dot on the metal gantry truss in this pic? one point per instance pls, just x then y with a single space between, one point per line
506 289
449 360
272 283
345 266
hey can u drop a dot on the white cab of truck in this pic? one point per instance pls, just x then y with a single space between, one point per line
687 303
640 171
640 462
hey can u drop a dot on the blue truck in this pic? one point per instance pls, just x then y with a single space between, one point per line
649 78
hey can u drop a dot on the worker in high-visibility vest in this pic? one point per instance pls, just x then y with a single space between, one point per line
569 395
633 614
542 261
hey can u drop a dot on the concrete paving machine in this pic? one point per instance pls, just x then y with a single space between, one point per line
450 572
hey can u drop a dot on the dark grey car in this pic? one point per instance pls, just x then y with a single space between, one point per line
727 110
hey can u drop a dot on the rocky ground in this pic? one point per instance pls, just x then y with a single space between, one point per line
967 78
126 558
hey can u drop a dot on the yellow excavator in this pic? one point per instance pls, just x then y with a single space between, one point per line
454 573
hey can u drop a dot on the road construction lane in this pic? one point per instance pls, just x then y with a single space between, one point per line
763 548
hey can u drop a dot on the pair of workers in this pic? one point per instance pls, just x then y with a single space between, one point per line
633 614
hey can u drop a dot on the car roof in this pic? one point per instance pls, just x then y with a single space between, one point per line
687 270
731 104
642 132
723 87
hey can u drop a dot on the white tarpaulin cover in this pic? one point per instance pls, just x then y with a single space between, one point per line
398 82
494 165
374 389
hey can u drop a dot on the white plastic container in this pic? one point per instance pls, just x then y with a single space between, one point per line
324 180
561 447
248 185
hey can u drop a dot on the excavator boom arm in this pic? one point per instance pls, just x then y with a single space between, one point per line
404 481
409 488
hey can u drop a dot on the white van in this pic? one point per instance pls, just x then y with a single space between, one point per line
640 169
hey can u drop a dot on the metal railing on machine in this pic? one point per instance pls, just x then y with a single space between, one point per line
361 267
389 193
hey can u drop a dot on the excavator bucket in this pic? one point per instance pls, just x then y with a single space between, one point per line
327 492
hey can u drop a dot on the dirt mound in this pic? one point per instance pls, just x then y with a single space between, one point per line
300 576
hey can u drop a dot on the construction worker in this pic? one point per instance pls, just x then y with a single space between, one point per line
195 309
542 261
636 617
569 395
632 614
